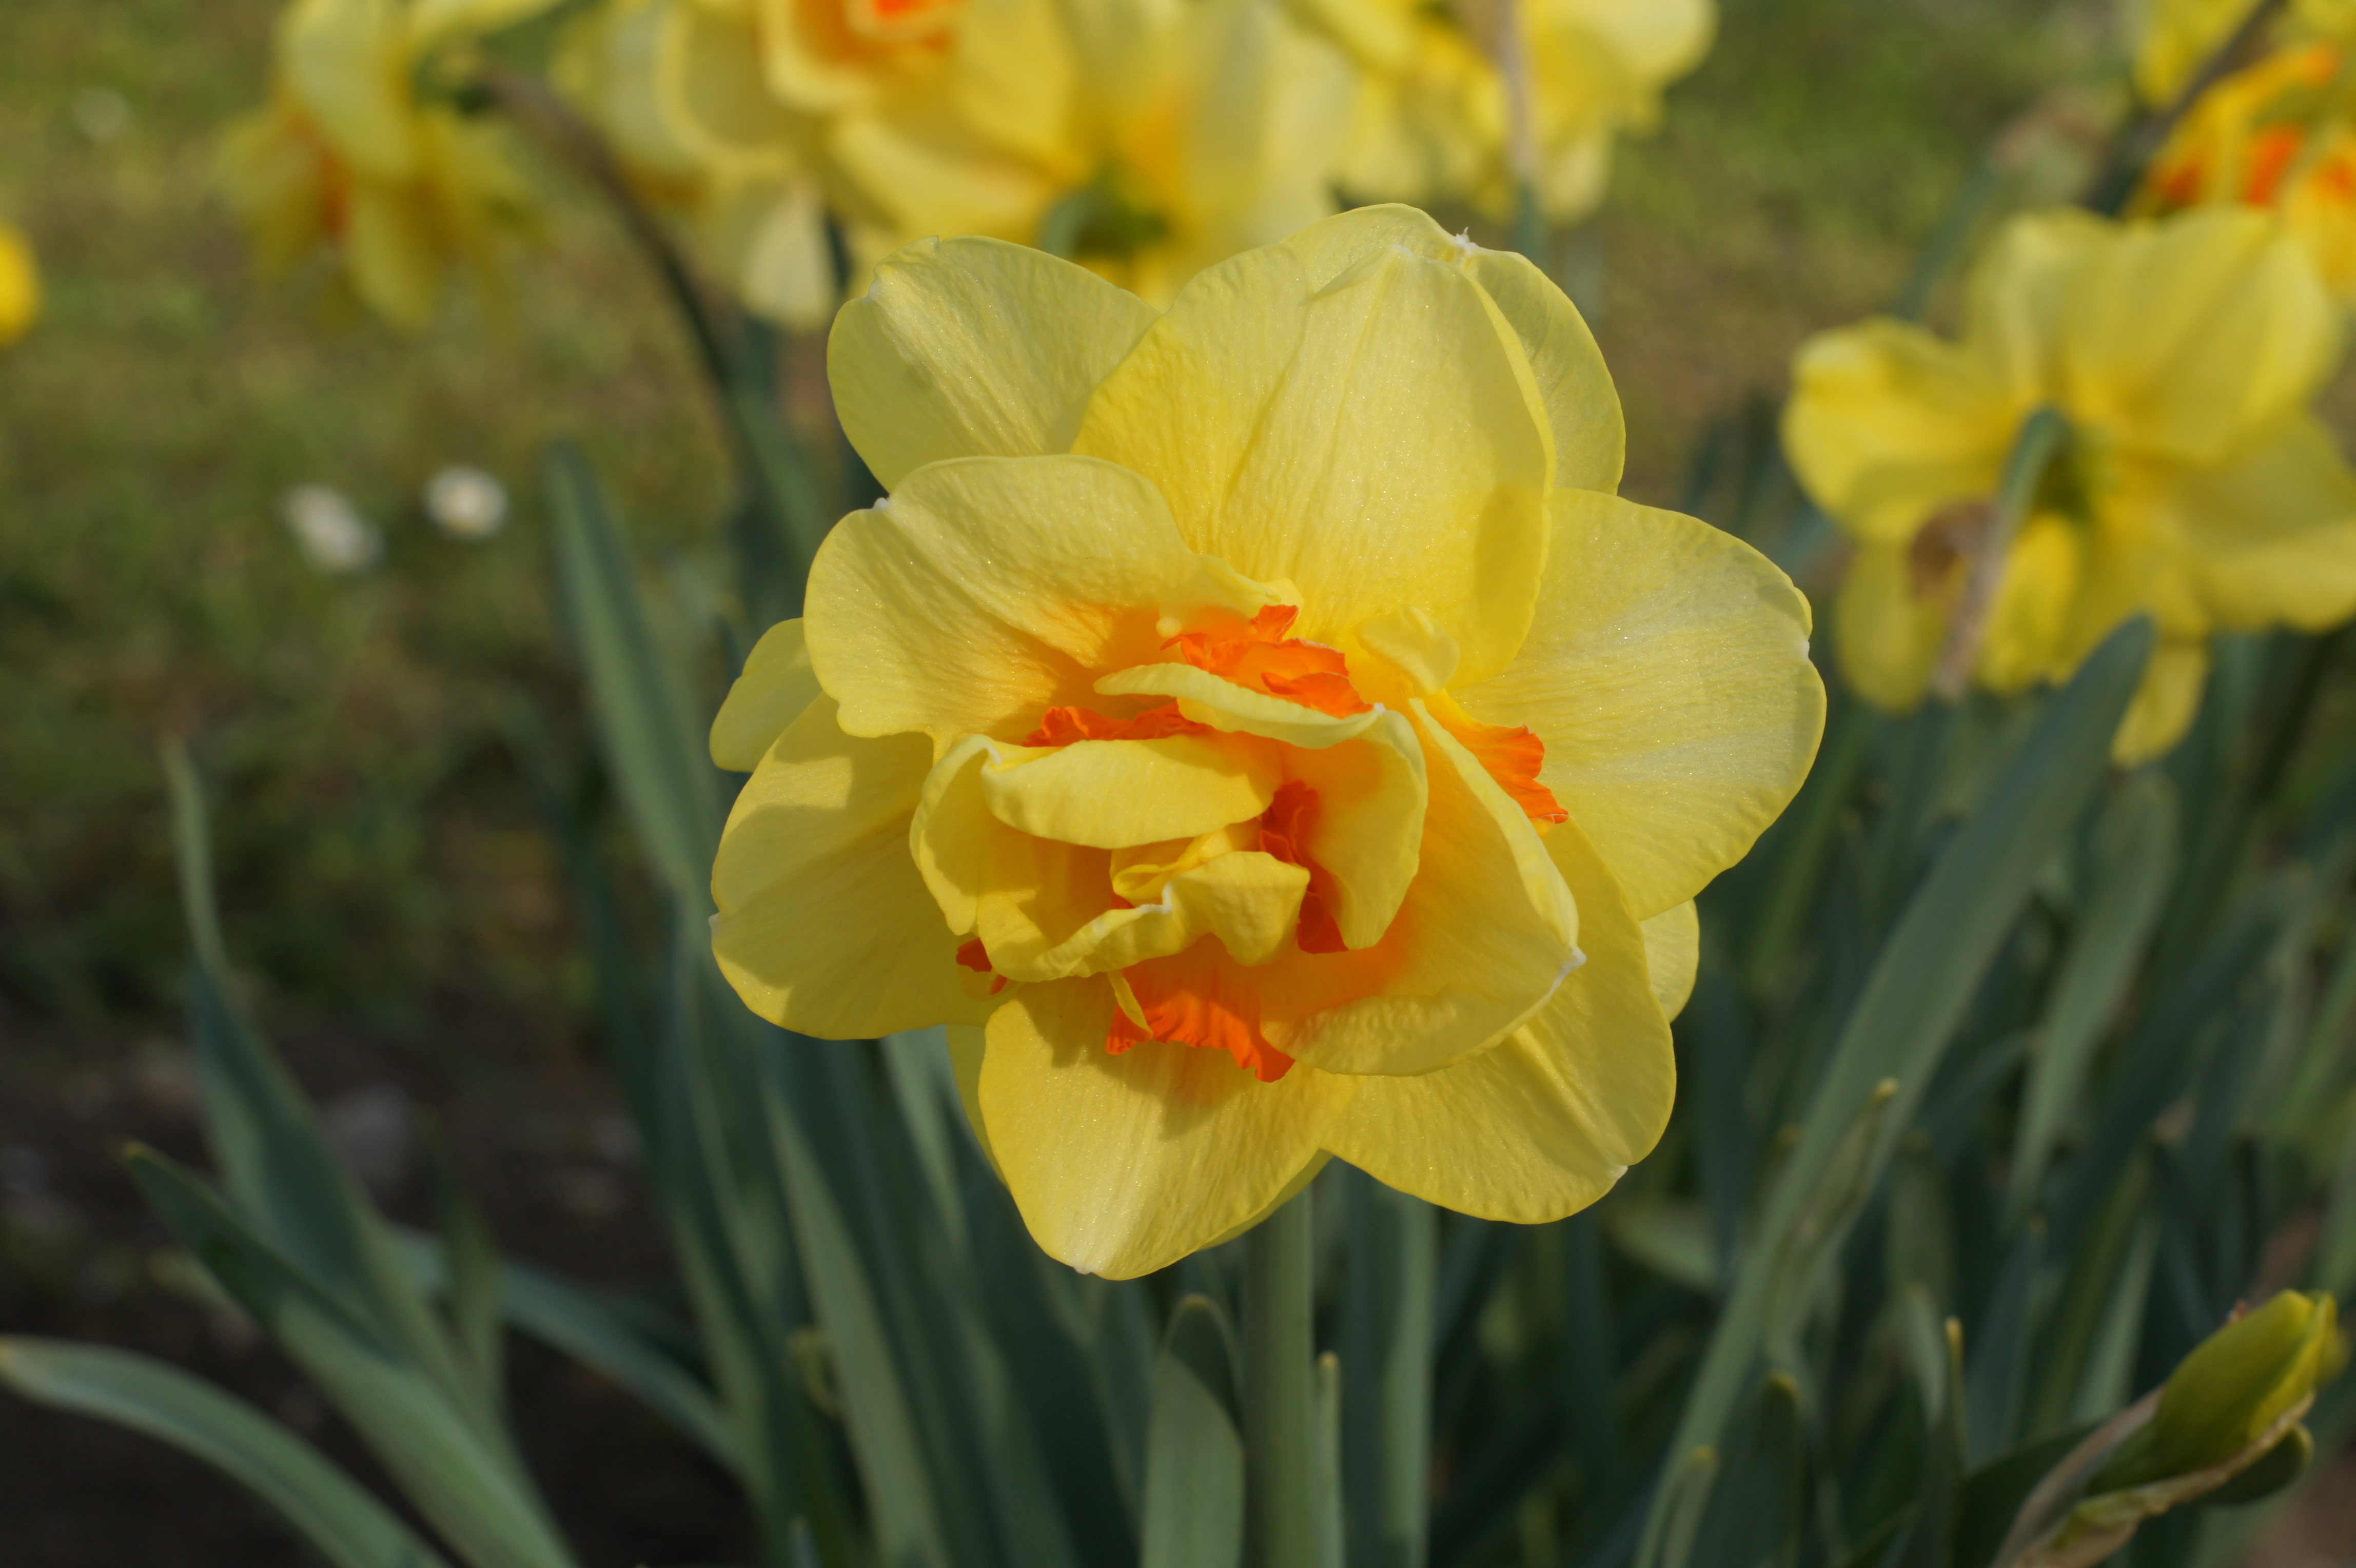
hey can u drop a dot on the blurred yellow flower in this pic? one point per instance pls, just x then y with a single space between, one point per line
2280 133
349 159
2192 483
1277 676
20 285
677 90
1433 119
2174 39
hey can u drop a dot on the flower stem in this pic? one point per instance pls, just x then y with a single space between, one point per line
1280 1390
2042 436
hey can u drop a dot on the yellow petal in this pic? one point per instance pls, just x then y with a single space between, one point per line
346 62
2197 333
2270 538
433 22
1215 701
777 685
20 285
1381 444
2164 704
986 590
2020 294
1573 384
824 926
1667 673
1485 934
966 1047
1367 829
1249 901
1888 424
1672 955
1541 1125
2026 639
392 253
1122 1165
974 348
713 100
1110 794
1888 639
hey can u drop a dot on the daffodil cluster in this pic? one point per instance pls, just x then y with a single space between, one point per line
350 160
2188 480
1259 729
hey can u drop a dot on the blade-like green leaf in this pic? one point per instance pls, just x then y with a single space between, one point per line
340 1519
651 731
1195 1455
473 1300
1326 1474
1756 1508
1998 1378
1393 1262
2133 865
1916 997
472 1488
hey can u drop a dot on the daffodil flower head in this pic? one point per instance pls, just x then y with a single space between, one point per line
2173 39
350 158
2189 481
2279 134
20 285
1258 730
1433 121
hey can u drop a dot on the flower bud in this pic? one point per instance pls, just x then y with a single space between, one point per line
2232 1392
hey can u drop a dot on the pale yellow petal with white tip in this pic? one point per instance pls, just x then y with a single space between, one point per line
967 348
1543 1124
824 926
1667 673
1122 1165
986 590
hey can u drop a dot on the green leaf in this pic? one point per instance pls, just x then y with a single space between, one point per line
1933 1351
473 1265
276 1159
1393 1263
647 723
2134 866
1670 1236
576 1321
1195 1452
471 1487
1755 1510
1326 1474
1913 1001
340 1519
1999 1361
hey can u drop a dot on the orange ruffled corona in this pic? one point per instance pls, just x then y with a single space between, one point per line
1206 680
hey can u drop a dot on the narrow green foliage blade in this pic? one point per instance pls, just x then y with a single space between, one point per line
335 1515
1755 1510
1393 1262
1195 1451
473 1300
1914 998
471 1487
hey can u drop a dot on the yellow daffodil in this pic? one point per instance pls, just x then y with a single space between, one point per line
20 285
1259 730
2174 39
2280 133
665 82
347 158
1145 140
2192 482
1434 116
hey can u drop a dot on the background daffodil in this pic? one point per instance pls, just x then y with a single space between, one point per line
2279 134
20 285
347 157
1433 120
1260 729
2192 482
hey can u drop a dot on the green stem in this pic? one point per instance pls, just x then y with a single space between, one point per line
1280 1390
1386 1317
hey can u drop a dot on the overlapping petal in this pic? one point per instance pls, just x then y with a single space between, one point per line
1559 1109
775 686
967 348
1122 1165
1246 405
2269 537
986 590
1668 675
824 925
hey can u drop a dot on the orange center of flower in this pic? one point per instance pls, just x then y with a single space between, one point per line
1192 998
1260 658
